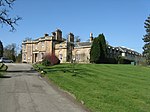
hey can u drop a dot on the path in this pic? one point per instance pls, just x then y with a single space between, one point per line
25 91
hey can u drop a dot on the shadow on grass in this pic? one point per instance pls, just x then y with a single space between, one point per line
83 73
79 72
73 70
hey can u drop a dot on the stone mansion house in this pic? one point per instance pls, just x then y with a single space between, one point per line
66 50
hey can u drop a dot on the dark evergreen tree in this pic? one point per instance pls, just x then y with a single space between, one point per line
1 49
95 51
103 48
98 50
146 39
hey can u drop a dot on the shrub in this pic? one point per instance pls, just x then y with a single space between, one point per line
111 61
50 59
45 62
121 60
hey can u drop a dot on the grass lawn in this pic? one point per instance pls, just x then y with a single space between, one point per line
105 88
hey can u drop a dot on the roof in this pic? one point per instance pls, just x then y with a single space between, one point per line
83 44
128 50
39 38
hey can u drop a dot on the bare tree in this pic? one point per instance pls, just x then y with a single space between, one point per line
5 19
10 51
77 39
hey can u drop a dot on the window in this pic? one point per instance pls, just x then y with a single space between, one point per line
60 56
42 44
42 55
24 56
123 54
24 47
36 46
78 57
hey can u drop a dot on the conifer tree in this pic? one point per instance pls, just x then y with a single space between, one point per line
95 51
98 51
146 39
1 49
103 48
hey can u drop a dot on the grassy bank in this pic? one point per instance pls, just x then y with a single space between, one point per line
0 69
105 88
3 68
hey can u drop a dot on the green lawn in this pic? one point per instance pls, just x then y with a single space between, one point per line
105 88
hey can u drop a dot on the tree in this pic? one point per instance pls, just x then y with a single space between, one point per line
98 50
5 19
1 49
10 52
95 51
146 39
103 48
77 39
19 57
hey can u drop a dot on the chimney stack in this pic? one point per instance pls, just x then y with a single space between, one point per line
71 37
45 35
58 35
91 37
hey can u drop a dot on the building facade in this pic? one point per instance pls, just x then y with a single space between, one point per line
66 50
34 50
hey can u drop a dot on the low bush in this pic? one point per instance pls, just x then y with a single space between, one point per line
111 61
124 61
50 59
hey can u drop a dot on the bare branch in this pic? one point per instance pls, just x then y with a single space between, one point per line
1 3
4 17
4 12
10 21
9 2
